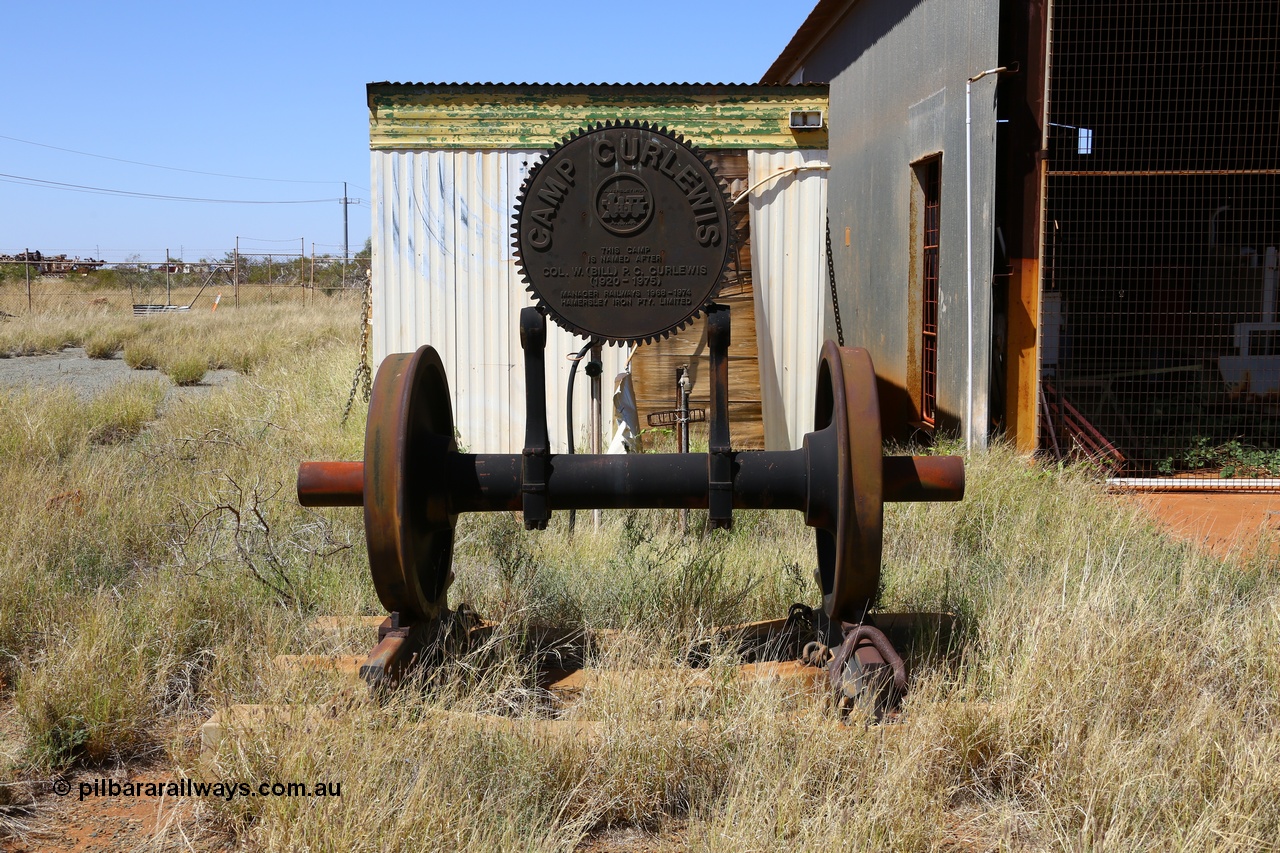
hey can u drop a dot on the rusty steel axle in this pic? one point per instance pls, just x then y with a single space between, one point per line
761 480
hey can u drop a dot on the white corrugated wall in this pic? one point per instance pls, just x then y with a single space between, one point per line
443 274
789 272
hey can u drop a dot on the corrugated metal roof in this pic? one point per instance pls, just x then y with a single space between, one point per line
824 16
442 116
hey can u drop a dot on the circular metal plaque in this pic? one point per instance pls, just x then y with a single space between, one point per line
622 233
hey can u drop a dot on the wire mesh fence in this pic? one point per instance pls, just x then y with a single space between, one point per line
1160 348
31 282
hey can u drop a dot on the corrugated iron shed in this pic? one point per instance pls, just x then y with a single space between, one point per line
447 163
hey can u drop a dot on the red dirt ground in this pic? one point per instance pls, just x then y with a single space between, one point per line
68 824
1219 522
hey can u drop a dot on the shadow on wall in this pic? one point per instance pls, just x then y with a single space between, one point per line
870 23
900 419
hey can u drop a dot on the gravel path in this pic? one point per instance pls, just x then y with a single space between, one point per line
90 376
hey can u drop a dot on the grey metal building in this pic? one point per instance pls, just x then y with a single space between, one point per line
896 193
1065 211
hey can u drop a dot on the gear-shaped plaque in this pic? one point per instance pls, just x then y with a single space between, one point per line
622 232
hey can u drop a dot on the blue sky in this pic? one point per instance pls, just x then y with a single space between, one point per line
276 91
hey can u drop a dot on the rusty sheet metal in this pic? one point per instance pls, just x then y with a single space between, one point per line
788 217
538 115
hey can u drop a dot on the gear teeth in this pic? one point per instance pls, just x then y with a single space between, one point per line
730 235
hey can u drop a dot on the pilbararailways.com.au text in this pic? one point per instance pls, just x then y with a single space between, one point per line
192 788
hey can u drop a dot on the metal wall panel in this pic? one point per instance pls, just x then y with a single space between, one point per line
897 73
443 275
788 258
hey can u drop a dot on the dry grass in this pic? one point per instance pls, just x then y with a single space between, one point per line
187 369
1110 689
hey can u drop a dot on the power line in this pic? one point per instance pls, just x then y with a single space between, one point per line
157 166
59 185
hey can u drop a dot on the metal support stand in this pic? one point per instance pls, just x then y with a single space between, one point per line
719 452
537 443
684 385
594 368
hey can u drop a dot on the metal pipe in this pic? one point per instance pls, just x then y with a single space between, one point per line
568 414
1269 286
331 484
1213 224
968 245
794 169
683 386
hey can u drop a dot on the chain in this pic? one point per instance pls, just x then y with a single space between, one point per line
363 379
831 277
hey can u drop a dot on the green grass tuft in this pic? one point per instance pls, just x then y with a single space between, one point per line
141 354
187 369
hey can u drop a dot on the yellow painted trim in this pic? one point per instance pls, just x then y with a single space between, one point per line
505 117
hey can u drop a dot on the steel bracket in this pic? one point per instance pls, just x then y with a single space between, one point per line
719 449
537 443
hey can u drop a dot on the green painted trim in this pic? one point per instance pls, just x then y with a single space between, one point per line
505 116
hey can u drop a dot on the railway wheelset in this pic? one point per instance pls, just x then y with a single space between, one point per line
622 235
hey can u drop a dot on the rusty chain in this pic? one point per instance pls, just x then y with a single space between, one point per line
362 381
831 277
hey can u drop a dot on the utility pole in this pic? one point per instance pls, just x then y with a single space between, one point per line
168 285
346 246
26 265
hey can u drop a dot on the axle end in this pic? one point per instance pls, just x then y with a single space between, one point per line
923 478
331 484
